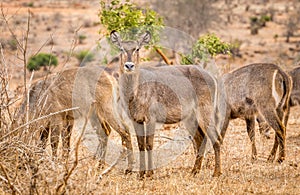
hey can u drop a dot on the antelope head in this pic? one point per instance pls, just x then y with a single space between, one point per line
129 50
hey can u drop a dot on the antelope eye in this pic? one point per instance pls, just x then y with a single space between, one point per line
122 50
137 49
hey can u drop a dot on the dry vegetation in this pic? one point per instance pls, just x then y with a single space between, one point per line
54 27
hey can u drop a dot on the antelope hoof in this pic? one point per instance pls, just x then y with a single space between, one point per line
271 158
254 157
101 165
195 171
267 136
128 171
280 159
142 175
149 173
217 174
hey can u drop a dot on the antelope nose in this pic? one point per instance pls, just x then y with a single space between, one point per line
129 66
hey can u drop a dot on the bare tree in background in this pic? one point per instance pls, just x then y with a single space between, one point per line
191 16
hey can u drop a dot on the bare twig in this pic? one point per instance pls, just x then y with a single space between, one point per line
73 46
27 89
25 45
38 119
4 86
108 169
62 187
13 188
22 47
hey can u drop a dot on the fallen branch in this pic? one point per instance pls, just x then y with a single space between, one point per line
108 169
164 57
172 139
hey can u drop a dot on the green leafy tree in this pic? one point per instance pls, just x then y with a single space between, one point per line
206 46
129 20
41 60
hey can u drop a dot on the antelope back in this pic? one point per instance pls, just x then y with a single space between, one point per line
256 86
295 95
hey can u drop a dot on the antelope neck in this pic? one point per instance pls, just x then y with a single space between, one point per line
128 83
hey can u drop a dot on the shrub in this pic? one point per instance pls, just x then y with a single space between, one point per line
257 23
206 46
235 48
81 38
28 4
41 59
12 43
84 56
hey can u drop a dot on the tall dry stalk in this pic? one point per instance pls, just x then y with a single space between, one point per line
26 168
22 46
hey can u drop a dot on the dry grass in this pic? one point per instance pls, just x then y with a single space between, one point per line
240 175
31 170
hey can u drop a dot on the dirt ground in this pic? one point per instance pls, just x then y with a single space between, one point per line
55 25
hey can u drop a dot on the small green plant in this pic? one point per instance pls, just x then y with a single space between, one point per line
275 37
254 25
263 20
257 23
41 60
235 48
206 46
12 43
253 19
266 18
84 56
81 38
29 4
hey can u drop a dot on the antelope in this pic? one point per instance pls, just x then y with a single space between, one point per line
295 95
259 89
166 94
82 87
294 100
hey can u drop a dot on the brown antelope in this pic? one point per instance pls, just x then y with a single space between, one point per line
166 94
259 89
294 100
82 87
295 95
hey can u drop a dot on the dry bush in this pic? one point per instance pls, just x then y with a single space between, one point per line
25 167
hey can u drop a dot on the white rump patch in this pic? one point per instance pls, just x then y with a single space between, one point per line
274 92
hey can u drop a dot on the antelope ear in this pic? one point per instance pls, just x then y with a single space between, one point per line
116 39
145 39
